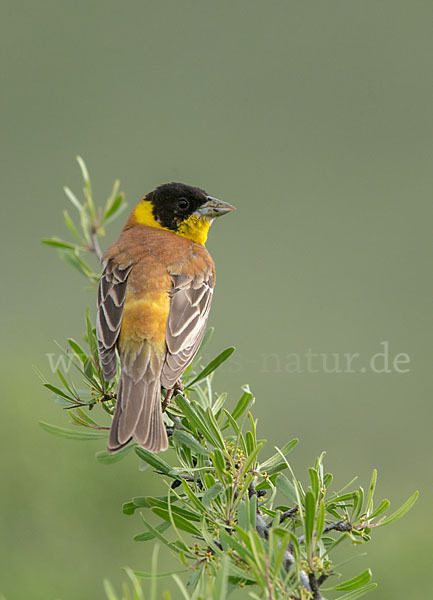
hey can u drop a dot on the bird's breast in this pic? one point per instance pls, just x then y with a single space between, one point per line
145 317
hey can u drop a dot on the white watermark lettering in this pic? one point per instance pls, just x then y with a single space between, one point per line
381 362
59 361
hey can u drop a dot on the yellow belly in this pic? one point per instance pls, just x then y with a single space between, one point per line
144 319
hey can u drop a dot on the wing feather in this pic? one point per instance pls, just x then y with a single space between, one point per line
190 302
111 297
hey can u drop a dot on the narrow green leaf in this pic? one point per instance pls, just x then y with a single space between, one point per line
138 592
381 508
204 398
153 460
71 226
253 424
83 168
219 403
358 504
112 210
327 479
249 440
237 430
89 369
342 499
181 587
73 198
214 364
242 405
218 463
106 458
193 497
82 356
267 484
117 214
251 458
241 574
129 508
354 583
243 516
156 502
58 243
73 259
252 507
229 541
276 458
188 440
150 535
358 593
139 502
220 591
72 435
59 392
277 468
310 515
315 484
91 335
85 417
287 488
191 410
109 590
371 488
112 196
179 521
320 524
77 419
161 575
142 501
159 535
211 494
257 550
214 428
400 512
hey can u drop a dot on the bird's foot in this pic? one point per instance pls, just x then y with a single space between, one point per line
178 387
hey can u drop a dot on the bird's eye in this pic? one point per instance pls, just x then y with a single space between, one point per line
183 203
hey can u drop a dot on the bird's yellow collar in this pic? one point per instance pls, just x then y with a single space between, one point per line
194 228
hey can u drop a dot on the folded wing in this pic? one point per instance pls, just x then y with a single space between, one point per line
111 298
190 301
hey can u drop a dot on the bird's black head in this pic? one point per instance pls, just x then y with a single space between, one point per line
183 209
174 203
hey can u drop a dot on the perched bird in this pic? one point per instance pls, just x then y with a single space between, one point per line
154 298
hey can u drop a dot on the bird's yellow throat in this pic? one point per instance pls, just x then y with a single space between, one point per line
194 228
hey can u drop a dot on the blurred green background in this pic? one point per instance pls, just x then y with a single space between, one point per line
315 119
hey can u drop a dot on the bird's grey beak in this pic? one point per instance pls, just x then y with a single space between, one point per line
214 208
